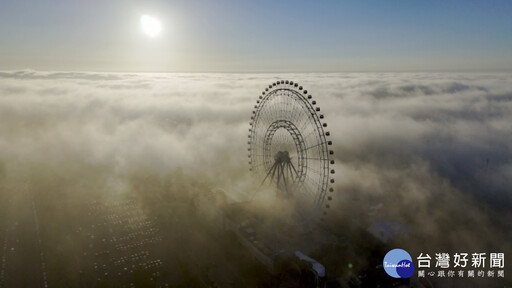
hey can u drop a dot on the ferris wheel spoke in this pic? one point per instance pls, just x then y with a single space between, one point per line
310 189
313 133
316 159
317 145
316 171
259 165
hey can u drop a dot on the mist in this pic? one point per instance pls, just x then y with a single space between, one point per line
431 150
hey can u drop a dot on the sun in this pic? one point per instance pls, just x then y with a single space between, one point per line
150 25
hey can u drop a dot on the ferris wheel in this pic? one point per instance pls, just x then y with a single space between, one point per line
288 146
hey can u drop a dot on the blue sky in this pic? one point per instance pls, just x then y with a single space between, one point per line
274 36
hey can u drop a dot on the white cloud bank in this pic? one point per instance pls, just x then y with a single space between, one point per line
430 142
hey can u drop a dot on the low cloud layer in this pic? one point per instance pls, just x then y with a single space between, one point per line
434 148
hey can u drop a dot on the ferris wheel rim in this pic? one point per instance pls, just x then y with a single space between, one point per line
298 96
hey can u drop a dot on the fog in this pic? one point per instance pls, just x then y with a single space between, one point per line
431 150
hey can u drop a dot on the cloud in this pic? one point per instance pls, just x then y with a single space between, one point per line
434 147
457 123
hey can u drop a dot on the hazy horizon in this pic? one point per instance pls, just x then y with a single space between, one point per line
284 72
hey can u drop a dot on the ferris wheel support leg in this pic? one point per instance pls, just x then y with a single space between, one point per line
271 170
278 175
284 178
290 172
295 170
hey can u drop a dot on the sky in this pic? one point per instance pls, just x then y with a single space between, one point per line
257 36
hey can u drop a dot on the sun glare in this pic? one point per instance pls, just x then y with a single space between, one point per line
150 25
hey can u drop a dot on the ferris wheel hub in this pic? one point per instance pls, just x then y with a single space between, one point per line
282 157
